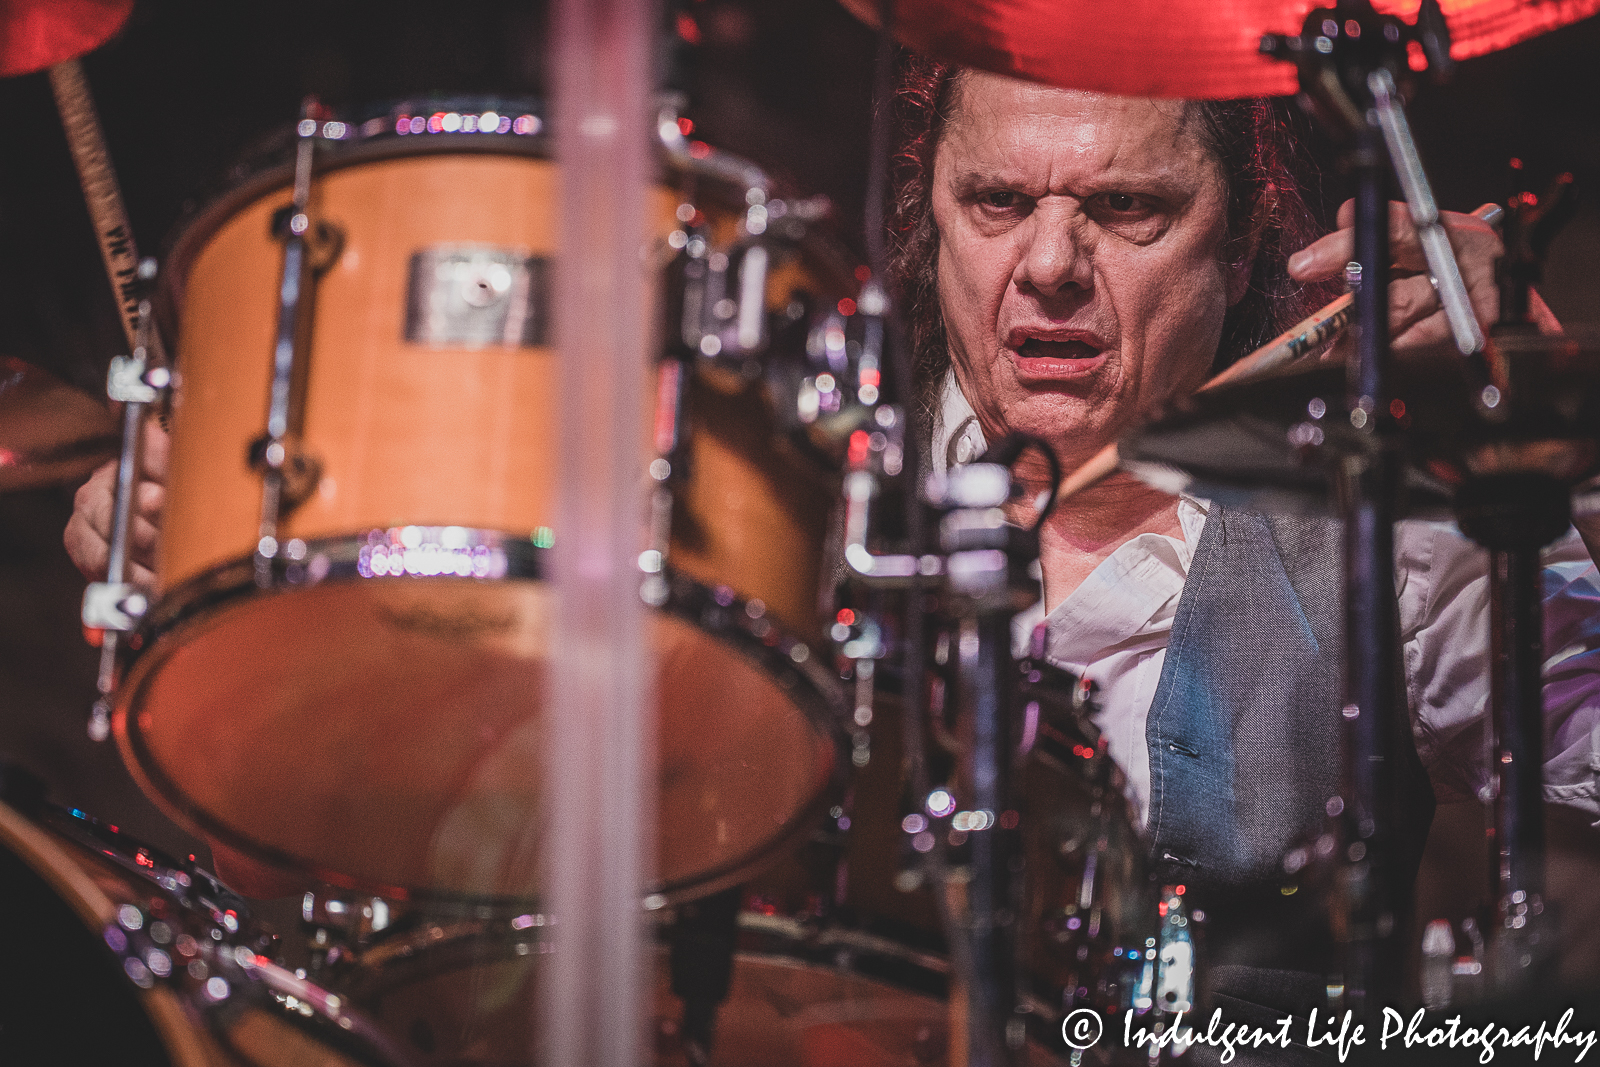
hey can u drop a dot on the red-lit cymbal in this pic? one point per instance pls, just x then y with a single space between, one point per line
1190 48
50 432
35 34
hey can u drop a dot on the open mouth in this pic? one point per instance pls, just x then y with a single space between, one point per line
1044 360
1041 349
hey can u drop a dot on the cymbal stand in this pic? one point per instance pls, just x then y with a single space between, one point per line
1352 62
982 574
1514 514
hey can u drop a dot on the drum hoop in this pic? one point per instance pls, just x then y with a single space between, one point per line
742 624
445 944
728 175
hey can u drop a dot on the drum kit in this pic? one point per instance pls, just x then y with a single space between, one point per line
873 841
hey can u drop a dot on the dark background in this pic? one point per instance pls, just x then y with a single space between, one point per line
190 83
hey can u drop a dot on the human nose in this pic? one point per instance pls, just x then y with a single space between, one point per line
1055 254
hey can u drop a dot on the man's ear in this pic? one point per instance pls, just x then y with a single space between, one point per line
1239 272
1240 261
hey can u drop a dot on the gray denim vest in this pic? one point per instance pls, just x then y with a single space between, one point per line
1244 735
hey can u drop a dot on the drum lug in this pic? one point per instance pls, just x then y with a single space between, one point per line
299 470
324 239
288 474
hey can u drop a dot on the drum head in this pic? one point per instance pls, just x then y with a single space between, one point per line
388 734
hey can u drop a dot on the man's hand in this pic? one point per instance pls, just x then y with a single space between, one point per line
1416 317
88 533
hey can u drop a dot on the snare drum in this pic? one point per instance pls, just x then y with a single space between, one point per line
372 713
115 954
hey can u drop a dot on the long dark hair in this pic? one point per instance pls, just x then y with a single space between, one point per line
1267 214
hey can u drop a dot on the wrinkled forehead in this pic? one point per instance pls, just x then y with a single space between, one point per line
990 115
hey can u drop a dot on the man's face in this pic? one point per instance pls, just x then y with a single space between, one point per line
1080 257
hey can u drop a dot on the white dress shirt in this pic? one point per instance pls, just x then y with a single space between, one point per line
1113 630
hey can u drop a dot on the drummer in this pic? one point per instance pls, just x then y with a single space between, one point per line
1065 260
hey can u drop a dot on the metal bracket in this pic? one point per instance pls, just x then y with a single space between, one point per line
298 470
113 606
130 381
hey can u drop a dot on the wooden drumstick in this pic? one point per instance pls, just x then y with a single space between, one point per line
1305 336
104 197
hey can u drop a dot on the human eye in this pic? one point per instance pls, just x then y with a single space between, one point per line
1137 218
1001 202
1123 205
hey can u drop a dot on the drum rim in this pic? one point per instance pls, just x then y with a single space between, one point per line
731 179
401 955
390 961
717 611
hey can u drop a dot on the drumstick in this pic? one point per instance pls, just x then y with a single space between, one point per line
1302 337
100 191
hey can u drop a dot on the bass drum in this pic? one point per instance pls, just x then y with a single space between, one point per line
370 711
838 956
115 954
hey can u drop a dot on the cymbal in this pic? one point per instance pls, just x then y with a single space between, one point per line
50 432
1187 48
1268 442
35 34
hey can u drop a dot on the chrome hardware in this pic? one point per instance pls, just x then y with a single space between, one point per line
477 296
128 381
297 470
725 299
1175 959
113 606
300 253
669 468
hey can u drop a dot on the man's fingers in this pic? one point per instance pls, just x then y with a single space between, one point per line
1329 255
1473 240
1417 320
140 576
1411 301
88 533
1475 243
149 499
153 457
1415 314
93 502
143 537
87 549
1324 257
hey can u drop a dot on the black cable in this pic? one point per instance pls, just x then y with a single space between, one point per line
1009 449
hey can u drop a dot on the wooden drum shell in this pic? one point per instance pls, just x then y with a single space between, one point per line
306 725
